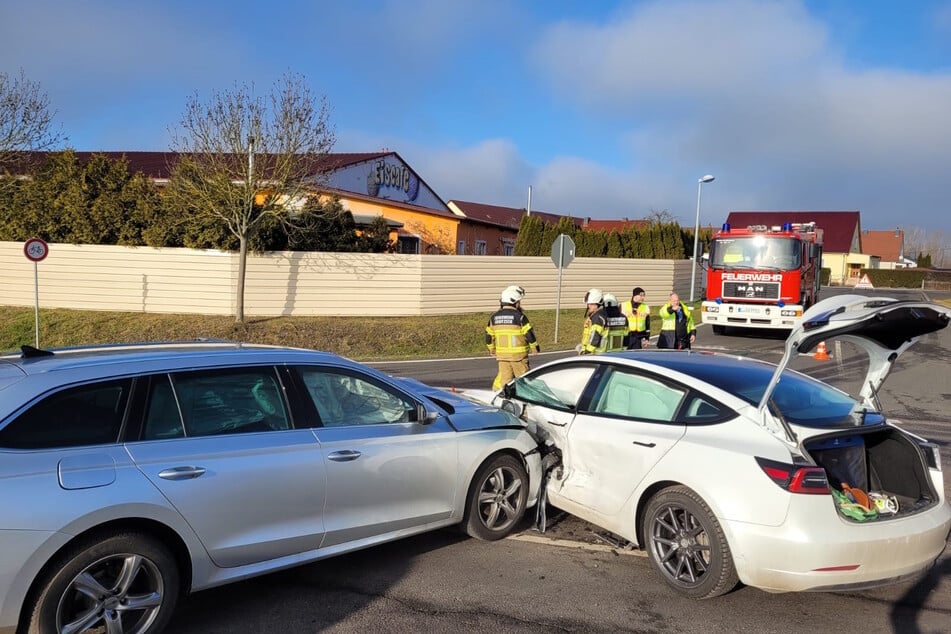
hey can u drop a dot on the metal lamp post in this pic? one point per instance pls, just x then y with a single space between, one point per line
696 234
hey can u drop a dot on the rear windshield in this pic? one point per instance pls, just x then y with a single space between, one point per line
800 399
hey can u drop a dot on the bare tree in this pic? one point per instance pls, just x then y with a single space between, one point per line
26 122
660 217
935 243
244 157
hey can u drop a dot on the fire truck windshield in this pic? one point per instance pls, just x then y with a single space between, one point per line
769 253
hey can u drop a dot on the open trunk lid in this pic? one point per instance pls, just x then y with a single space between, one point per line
882 326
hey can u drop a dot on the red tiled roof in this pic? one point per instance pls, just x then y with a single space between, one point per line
615 225
838 227
510 217
885 244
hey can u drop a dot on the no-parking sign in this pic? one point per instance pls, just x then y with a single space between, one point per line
36 249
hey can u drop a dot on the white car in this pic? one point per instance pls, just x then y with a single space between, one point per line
727 469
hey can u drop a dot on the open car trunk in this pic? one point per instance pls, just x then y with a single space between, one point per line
882 462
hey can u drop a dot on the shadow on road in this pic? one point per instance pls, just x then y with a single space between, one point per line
905 611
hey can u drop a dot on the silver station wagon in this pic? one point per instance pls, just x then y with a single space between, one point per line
131 474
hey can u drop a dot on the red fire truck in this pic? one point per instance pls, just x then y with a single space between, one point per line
762 277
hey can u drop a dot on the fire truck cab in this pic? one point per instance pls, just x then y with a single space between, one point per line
762 276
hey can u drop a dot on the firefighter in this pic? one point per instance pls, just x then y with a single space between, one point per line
614 333
677 330
509 337
594 322
638 315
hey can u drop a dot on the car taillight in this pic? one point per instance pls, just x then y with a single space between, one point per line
795 478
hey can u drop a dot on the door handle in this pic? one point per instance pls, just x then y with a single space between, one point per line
344 456
181 473
649 445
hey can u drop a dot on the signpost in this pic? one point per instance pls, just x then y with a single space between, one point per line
562 253
36 250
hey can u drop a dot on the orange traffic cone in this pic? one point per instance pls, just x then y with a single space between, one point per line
821 353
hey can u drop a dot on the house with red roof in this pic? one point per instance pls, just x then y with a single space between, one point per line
492 229
888 246
842 250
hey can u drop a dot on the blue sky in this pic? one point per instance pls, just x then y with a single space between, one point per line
607 109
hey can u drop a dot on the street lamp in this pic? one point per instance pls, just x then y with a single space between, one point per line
696 234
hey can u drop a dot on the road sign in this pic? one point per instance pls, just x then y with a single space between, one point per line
36 249
864 282
562 251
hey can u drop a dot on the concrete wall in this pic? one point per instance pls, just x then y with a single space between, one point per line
144 279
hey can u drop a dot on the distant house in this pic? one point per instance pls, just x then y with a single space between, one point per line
506 221
889 246
842 250
383 184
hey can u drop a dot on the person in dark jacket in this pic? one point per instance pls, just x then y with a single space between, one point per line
638 315
677 330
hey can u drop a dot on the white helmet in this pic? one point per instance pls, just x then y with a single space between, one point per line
518 290
594 296
511 296
610 300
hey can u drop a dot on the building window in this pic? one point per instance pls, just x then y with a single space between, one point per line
407 244
461 247
479 247
508 247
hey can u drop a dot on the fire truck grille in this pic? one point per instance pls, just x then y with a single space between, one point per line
750 290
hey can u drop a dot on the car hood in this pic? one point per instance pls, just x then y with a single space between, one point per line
465 413
882 326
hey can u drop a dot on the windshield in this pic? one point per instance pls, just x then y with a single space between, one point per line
800 399
770 253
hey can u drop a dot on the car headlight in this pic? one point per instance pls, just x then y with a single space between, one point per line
711 309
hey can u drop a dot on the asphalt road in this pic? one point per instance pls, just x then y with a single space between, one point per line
574 578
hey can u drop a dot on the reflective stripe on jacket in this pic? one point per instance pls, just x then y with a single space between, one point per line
509 335
639 317
669 322
595 329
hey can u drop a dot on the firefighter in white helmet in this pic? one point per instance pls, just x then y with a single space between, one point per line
594 319
509 337
612 336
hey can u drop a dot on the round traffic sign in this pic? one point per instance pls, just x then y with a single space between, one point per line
36 249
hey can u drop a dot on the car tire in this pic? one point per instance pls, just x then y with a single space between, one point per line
719 330
686 545
143 603
497 498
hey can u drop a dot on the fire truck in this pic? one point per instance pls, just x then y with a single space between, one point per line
762 276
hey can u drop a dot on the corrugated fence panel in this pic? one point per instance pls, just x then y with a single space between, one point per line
298 283
102 277
472 284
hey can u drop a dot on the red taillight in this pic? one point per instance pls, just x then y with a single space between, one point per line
796 478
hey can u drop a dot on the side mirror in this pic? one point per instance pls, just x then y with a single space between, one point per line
508 390
513 408
424 416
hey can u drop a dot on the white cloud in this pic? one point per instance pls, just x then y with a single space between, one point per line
756 93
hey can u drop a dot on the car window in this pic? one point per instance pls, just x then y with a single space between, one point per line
703 410
344 398
85 415
560 388
212 402
634 395
800 399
